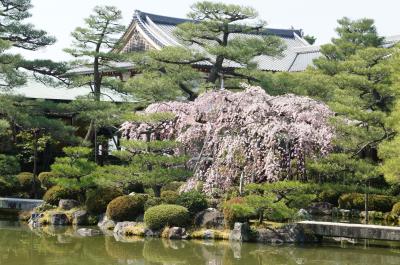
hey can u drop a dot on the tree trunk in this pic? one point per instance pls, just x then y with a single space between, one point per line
35 162
366 205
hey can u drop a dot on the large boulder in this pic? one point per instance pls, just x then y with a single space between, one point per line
292 233
240 232
320 208
67 204
177 233
209 218
59 219
80 217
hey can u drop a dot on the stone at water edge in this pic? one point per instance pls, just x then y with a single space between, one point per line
105 223
240 232
88 232
80 217
119 228
209 218
34 220
59 219
320 208
177 233
67 204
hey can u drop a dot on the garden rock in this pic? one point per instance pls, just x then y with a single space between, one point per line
88 232
59 219
105 223
119 228
240 232
208 234
80 217
209 218
320 208
67 204
34 220
177 233
292 233
303 215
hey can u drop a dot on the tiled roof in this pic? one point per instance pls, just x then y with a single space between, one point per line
159 29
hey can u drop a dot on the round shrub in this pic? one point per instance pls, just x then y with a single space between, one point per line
9 165
169 197
163 215
172 186
126 208
152 201
25 180
236 210
194 201
396 209
98 199
45 179
56 193
380 203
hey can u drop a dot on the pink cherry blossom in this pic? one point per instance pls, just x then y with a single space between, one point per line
228 134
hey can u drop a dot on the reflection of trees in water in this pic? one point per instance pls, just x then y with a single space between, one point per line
63 247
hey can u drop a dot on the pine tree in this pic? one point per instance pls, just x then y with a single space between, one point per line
93 46
155 162
210 42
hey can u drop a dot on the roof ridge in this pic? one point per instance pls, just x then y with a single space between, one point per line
175 21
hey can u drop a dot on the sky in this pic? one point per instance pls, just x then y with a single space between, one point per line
315 17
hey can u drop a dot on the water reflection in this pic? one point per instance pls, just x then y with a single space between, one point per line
62 246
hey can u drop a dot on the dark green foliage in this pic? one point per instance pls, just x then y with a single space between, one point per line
163 215
194 201
56 193
126 208
98 199
5 187
47 179
237 210
169 197
9 165
152 201
380 203
396 209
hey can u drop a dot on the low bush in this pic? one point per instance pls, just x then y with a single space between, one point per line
172 186
56 193
194 201
9 165
98 199
396 209
160 216
126 208
25 181
236 210
329 195
46 179
169 197
152 201
380 203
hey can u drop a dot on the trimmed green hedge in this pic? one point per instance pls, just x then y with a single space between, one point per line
163 215
98 199
126 208
152 201
236 210
56 193
194 201
9 165
380 203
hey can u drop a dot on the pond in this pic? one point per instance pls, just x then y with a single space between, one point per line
21 246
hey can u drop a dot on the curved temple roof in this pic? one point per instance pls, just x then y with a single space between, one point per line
157 32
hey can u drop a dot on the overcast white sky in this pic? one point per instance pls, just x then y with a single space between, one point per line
315 17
